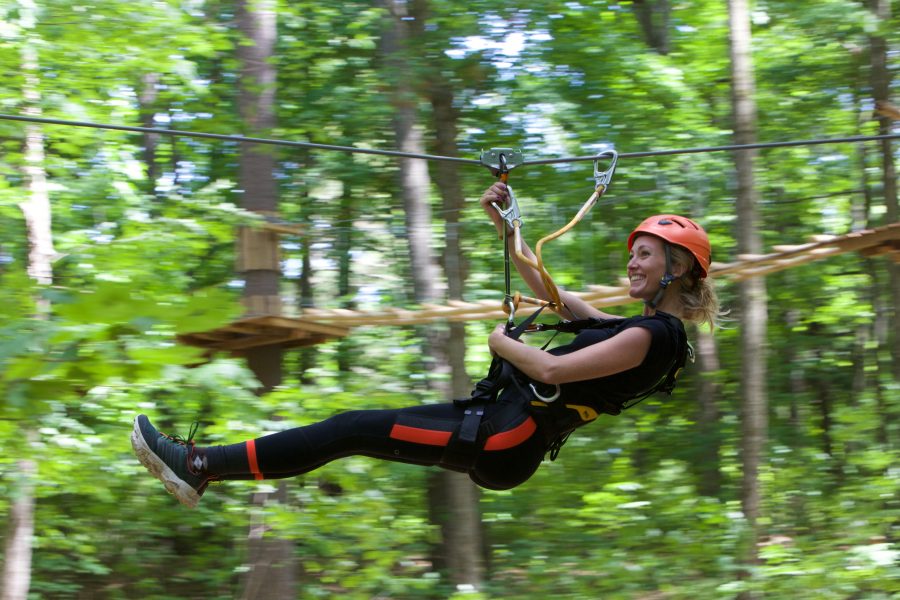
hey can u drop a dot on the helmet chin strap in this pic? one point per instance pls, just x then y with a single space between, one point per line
664 282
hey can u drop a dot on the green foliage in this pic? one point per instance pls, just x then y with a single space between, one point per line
146 252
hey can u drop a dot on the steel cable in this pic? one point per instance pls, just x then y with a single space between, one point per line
434 157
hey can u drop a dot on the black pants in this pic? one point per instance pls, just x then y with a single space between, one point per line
513 448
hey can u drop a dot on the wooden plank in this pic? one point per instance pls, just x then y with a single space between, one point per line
791 248
753 257
206 336
241 328
605 289
312 340
288 323
881 249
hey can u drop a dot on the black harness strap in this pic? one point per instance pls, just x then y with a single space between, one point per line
500 371
666 384
467 441
557 419
463 448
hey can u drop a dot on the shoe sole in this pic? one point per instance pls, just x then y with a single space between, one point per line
176 486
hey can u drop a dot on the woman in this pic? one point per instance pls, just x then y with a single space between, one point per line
517 414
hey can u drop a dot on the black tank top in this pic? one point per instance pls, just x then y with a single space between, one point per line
666 331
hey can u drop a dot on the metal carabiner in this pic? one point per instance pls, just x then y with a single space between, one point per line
603 178
547 399
511 213
509 305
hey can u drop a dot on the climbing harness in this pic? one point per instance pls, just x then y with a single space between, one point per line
465 444
558 420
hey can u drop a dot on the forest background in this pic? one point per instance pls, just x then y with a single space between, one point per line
772 470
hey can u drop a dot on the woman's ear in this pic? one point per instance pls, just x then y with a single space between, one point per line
680 270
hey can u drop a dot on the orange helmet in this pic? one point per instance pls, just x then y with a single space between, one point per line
680 231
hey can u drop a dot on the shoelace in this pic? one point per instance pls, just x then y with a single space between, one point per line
192 452
189 441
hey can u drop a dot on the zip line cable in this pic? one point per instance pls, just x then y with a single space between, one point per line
398 154
729 148
234 138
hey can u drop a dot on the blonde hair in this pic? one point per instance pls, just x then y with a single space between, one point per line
697 294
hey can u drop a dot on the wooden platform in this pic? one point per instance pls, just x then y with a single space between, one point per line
319 325
255 332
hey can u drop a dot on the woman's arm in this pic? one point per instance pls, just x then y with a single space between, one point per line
623 351
499 195
578 308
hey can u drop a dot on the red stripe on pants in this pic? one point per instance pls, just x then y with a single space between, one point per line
498 441
427 437
251 458
513 437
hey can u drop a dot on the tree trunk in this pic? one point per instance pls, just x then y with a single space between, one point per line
880 76
272 568
822 387
38 222
752 291
19 531
653 16
306 356
463 533
708 413
452 496
343 245
147 108
796 379
861 210
880 329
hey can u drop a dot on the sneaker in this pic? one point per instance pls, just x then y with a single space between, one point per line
172 460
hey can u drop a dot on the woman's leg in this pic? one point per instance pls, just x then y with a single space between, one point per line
303 449
506 469
416 435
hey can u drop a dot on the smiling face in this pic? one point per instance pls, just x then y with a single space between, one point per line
646 267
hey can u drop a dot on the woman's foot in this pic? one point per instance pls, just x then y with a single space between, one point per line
172 460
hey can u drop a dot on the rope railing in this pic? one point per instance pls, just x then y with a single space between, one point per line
871 242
